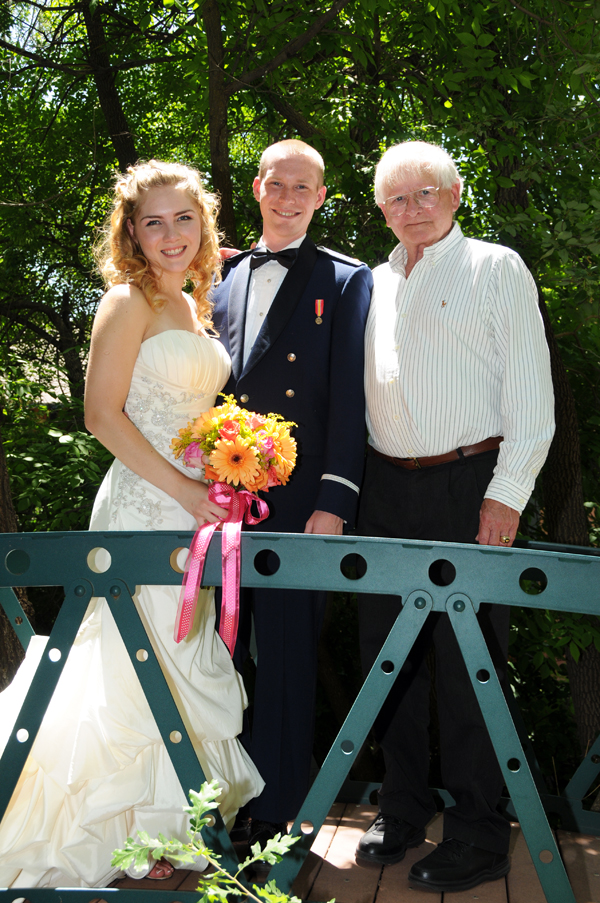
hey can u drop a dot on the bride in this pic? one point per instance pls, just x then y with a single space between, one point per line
98 771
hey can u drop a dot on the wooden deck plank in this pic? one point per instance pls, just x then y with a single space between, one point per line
190 879
307 875
489 892
522 880
330 869
581 855
339 875
172 883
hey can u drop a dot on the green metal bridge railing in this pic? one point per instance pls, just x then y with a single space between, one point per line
568 577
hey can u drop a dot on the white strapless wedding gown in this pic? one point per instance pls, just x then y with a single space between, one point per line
99 770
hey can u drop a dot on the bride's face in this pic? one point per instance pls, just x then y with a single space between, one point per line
168 228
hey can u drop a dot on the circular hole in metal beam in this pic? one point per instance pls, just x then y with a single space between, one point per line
266 562
483 676
307 827
175 737
178 558
17 562
55 655
142 655
513 765
22 735
546 856
353 566
347 747
533 581
99 560
387 667
442 572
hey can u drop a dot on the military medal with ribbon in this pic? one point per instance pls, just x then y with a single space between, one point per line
319 304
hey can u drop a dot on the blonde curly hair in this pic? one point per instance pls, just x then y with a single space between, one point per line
120 258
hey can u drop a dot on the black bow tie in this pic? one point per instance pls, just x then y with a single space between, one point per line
285 258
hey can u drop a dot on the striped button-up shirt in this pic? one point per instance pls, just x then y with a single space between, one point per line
457 353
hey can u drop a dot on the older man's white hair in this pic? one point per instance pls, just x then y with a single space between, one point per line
414 158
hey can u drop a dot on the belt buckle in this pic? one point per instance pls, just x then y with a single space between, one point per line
417 464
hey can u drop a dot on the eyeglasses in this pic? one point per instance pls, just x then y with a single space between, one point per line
424 197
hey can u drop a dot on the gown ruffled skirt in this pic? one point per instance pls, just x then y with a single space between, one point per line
99 771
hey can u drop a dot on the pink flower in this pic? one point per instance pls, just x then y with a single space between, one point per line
193 455
256 421
229 430
264 444
273 478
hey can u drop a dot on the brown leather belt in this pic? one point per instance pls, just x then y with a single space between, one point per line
466 451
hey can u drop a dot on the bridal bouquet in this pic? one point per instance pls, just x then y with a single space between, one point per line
240 452
238 447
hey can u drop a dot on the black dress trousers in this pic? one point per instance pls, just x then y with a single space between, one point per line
435 503
287 625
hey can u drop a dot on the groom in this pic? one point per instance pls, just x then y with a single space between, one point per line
292 317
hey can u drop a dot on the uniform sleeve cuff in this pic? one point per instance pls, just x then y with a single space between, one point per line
342 480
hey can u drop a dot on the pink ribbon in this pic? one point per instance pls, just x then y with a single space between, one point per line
238 504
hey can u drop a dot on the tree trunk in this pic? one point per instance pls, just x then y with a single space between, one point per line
108 96
566 521
564 513
218 103
68 347
11 651
565 516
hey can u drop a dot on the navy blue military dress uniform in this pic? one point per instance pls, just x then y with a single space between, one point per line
312 373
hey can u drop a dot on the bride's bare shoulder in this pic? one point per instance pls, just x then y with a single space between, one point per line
124 303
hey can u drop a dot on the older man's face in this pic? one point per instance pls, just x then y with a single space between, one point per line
418 227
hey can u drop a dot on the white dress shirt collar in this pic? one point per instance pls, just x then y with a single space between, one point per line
294 244
433 253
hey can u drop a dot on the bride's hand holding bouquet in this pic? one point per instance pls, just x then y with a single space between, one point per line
241 453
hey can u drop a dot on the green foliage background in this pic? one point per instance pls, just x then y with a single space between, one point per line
510 89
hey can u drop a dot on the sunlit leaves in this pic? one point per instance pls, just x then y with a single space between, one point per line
216 886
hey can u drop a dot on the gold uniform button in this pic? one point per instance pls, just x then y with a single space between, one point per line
291 357
244 399
290 393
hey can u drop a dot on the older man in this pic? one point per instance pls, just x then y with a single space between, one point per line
460 419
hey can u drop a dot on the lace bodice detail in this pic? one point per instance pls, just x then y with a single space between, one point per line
175 378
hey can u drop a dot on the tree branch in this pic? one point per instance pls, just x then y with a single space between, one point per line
561 37
295 118
290 49
44 62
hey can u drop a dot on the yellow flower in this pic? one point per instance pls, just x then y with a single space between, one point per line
205 422
285 448
214 419
234 461
179 445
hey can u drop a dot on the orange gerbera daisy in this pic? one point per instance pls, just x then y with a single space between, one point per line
210 473
258 482
285 448
234 461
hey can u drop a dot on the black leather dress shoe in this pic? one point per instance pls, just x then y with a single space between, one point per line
387 841
261 831
455 865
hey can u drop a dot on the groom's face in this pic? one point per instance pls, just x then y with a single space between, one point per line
289 193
